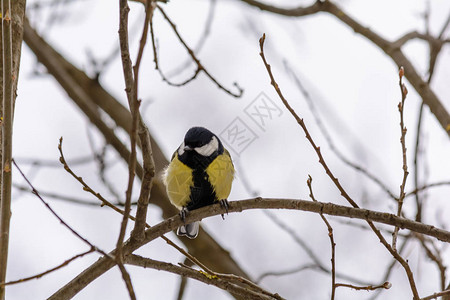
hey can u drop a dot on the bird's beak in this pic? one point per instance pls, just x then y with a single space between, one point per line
188 148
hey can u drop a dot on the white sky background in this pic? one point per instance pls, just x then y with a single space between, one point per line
353 85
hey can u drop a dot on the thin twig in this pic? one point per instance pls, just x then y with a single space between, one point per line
311 253
200 67
332 177
82 90
7 110
57 216
200 43
99 158
69 199
401 197
330 235
52 163
329 140
198 275
417 151
427 186
237 280
143 134
286 272
86 187
37 276
434 256
390 48
386 286
435 46
390 267
131 91
436 295
183 282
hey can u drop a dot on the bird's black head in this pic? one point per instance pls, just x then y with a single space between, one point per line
197 137
200 147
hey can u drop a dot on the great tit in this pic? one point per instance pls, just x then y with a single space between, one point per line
200 173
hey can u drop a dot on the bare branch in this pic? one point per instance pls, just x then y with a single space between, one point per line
170 224
94 96
336 182
401 197
427 186
434 256
424 90
37 276
330 235
330 142
69 199
7 110
317 263
66 75
12 14
57 216
197 275
286 272
86 187
201 42
144 136
437 295
386 285
191 53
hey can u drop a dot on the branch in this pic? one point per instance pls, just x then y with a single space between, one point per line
7 110
68 199
224 284
201 42
86 187
330 235
436 257
12 16
94 97
170 224
391 266
144 136
299 11
67 77
427 186
329 139
386 285
396 54
58 217
191 53
401 106
417 35
317 264
37 276
436 295
336 182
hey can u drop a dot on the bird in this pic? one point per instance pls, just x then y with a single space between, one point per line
200 173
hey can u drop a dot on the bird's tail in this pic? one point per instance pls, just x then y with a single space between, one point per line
189 230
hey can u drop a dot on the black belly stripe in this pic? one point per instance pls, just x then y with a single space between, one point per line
202 193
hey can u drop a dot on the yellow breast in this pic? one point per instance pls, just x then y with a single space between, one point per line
221 175
178 181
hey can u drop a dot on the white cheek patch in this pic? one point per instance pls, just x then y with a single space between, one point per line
208 149
181 149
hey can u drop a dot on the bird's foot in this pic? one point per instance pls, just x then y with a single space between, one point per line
183 214
224 204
